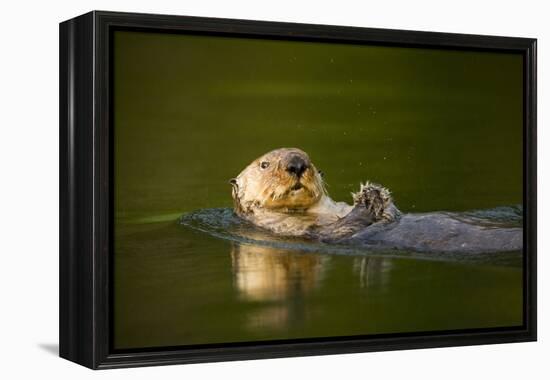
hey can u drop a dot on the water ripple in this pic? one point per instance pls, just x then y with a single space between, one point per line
223 223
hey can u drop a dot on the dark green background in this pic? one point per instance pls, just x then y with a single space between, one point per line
442 129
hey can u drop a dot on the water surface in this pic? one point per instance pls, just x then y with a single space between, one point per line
441 129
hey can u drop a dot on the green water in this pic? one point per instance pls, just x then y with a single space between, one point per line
442 129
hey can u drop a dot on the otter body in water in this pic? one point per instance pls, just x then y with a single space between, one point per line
283 192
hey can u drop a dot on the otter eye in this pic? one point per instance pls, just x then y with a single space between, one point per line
264 164
321 173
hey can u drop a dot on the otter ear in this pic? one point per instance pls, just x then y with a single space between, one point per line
233 182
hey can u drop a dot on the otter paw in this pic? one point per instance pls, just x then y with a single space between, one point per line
375 198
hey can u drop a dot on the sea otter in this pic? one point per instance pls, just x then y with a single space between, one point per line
283 192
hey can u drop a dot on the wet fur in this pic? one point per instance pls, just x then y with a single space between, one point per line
265 197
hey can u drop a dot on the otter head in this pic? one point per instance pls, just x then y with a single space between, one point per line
282 180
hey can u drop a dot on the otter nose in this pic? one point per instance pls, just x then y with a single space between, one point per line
296 166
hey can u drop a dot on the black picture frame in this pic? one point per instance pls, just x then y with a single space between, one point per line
86 194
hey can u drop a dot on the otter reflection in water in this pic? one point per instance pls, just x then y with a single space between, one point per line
278 277
265 273
278 281
283 192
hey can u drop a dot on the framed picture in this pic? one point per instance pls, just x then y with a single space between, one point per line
206 167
